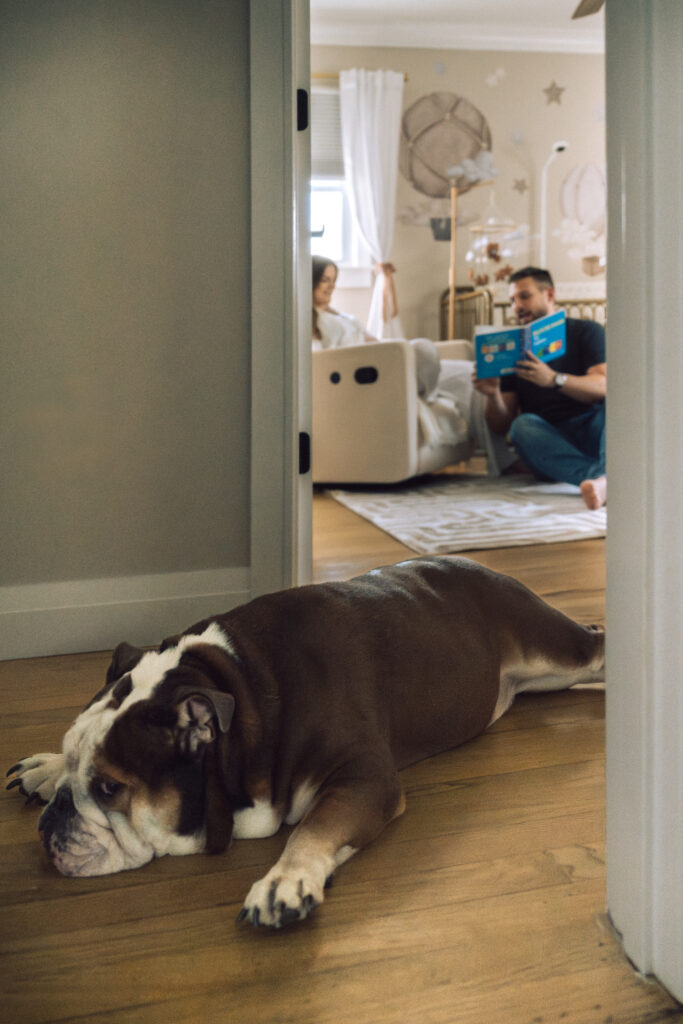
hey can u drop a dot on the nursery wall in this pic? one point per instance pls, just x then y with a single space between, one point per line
529 101
125 413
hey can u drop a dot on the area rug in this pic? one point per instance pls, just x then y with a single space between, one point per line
442 514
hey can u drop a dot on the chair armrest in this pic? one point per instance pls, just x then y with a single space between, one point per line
364 413
460 349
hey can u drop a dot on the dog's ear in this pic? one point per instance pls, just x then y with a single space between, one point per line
170 641
123 660
199 711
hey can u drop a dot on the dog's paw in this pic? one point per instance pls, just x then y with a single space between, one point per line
37 776
280 899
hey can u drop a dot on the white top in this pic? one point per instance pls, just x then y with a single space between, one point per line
338 330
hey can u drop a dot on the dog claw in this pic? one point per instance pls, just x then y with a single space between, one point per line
309 905
14 768
31 798
278 913
34 798
286 915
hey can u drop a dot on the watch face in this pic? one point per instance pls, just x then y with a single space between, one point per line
560 379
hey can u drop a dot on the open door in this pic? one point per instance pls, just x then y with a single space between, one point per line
302 533
281 483
645 468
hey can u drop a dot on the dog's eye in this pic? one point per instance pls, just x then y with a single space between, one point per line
107 788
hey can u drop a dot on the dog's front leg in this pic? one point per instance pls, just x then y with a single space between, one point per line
350 811
37 776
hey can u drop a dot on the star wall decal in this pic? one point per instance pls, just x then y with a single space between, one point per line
495 77
554 92
521 185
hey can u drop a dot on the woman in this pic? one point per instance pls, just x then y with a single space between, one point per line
332 329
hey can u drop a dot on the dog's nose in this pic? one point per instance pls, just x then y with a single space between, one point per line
63 800
62 805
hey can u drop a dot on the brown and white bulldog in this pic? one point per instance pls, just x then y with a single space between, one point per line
298 707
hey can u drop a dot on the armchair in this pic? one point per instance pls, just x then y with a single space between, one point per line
367 423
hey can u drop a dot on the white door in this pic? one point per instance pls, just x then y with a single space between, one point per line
281 484
644 76
302 531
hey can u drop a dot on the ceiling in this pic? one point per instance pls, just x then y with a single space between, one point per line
533 25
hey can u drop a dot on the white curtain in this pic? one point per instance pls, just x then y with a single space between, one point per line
371 103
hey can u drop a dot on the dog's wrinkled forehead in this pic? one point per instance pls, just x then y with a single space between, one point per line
88 732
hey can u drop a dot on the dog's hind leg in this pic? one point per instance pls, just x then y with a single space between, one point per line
582 661
586 665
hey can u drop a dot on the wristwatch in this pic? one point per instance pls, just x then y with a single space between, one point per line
560 380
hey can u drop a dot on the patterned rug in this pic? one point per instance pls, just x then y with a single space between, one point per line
441 514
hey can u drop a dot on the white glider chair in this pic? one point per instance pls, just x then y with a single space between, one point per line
368 427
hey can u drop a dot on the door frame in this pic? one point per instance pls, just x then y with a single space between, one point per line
645 538
281 495
644 86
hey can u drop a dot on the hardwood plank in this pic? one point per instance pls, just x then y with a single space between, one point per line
569 576
401 961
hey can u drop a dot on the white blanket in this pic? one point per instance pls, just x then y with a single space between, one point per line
455 380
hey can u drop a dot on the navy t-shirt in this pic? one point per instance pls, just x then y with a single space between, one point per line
585 348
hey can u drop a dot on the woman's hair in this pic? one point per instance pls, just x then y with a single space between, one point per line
320 265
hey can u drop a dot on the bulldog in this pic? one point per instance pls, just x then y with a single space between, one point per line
299 707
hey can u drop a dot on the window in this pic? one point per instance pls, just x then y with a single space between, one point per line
333 230
330 216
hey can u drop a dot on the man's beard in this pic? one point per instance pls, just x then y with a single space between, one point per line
529 317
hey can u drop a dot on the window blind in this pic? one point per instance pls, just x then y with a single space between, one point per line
326 141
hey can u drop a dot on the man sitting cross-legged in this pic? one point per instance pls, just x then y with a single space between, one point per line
554 412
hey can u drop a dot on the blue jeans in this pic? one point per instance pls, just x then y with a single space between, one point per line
571 451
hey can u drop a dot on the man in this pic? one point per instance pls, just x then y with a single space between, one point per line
554 413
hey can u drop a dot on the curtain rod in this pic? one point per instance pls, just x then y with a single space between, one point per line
334 75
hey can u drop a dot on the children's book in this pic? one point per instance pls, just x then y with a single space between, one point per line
498 350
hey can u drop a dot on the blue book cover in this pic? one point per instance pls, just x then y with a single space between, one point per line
497 350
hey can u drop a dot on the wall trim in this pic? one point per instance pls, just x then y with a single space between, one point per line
75 616
430 35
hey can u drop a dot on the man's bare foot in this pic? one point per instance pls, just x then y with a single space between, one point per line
594 492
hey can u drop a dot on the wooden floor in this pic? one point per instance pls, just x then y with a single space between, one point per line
483 904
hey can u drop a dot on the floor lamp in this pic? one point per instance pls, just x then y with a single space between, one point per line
454 213
451 268
558 147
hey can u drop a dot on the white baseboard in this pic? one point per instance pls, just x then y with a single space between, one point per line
92 615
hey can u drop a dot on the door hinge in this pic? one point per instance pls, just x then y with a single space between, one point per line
304 452
301 110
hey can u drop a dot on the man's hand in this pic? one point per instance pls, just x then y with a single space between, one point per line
501 408
490 386
532 369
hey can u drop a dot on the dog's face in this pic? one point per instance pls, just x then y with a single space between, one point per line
137 772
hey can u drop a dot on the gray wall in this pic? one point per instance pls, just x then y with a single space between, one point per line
124 288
